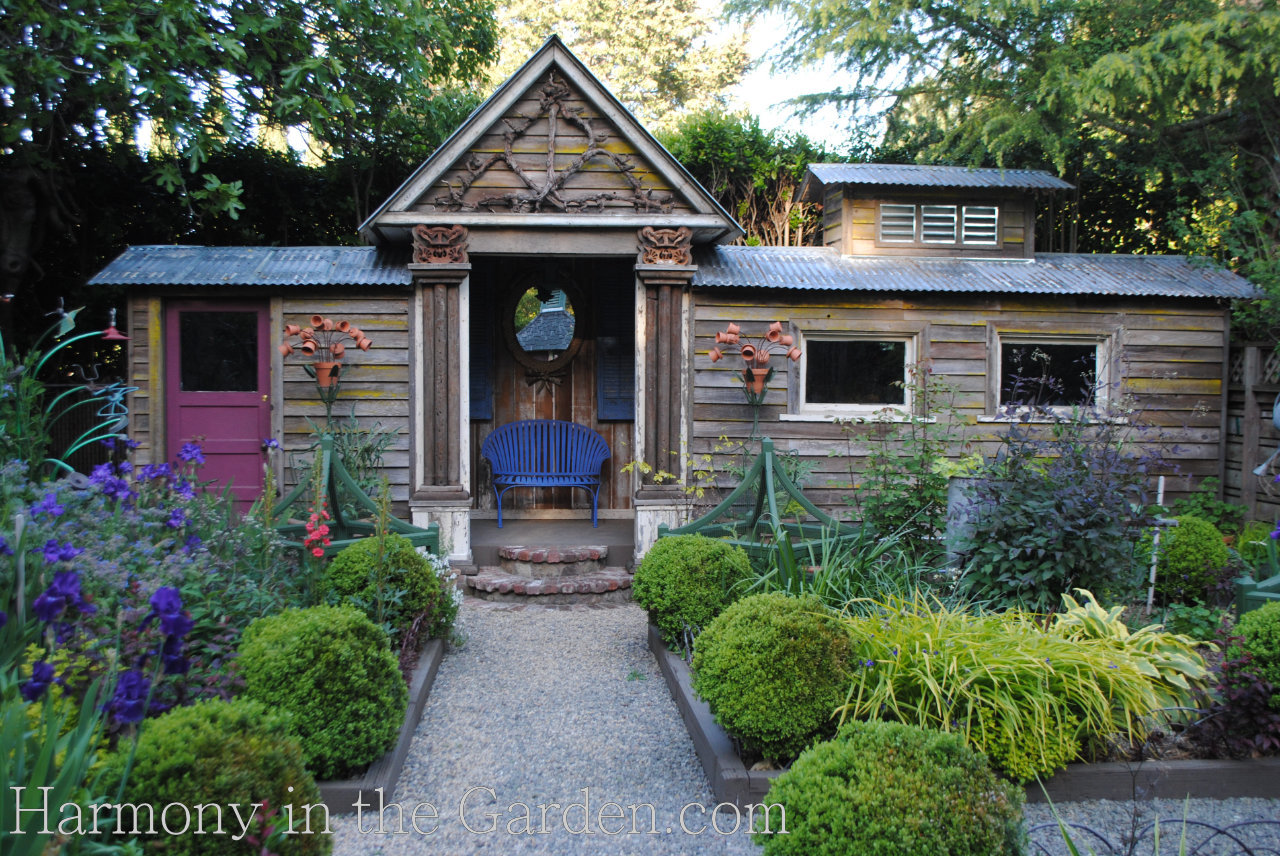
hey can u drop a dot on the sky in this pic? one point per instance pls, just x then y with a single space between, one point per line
762 91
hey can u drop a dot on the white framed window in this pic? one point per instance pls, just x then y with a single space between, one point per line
938 225
897 224
843 374
1051 371
979 224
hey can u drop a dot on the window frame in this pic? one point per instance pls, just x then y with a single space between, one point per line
1107 374
959 212
914 336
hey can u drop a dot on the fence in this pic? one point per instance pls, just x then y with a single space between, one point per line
1250 465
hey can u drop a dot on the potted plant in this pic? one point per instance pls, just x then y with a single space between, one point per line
325 342
755 353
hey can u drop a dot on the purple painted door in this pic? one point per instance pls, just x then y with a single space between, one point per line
217 371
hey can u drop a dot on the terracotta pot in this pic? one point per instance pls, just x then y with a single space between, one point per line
755 379
327 374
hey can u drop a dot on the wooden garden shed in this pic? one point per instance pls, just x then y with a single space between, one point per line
552 198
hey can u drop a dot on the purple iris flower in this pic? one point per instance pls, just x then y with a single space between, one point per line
191 453
41 676
49 505
128 705
63 592
171 654
177 518
55 552
185 489
108 483
193 544
166 604
5 549
155 471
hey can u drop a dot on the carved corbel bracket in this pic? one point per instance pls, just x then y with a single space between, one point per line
665 246
440 244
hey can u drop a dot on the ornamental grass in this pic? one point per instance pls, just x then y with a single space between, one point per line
1031 693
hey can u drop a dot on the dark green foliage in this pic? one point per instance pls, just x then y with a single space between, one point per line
1204 503
219 752
1192 558
888 789
685 581
1060 509
1244 718
773 668
752 172
24 429
1260 632
330 669
391 582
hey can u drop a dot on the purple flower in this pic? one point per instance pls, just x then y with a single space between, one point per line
55 552
166 604
171 654
63 592
41 676
191 453
193 544
5 549
185 489
177 518
4 619
110 485
155 471
49 505
128 705
271 443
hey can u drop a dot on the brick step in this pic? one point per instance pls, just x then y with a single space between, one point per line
606 584
543 563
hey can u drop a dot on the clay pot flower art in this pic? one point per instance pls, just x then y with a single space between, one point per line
324 342
755 353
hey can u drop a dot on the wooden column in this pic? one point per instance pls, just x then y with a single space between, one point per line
443 352
664 405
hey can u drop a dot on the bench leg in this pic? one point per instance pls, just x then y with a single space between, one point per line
497 493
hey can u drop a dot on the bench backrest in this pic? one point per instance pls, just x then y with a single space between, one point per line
545 447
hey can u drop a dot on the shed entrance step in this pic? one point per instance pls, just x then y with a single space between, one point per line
603 585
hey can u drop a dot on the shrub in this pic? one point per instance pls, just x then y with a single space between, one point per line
1260 631
392 583
1192 557
222 753
1059 508
331 670
687 580
773 668
1026 696
887 789
1204 503
1254 546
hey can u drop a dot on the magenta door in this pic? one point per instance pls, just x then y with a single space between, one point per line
216 381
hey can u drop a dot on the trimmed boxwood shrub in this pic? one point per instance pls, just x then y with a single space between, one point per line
688 579
354 574
890 789
1192 557
1260 629
773 668
330 669
222 753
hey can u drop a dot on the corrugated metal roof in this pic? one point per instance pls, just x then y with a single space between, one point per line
185 265
921 175
1049 273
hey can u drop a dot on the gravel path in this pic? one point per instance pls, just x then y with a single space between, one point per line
542 703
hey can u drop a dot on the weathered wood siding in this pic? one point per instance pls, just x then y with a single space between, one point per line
146 408
597 176
375 386
1170 358
860 207
573 399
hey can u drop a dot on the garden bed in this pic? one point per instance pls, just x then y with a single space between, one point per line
341 795
732 782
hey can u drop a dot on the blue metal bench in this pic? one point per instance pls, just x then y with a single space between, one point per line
545 453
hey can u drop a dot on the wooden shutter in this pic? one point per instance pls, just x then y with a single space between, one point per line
616 351
481 367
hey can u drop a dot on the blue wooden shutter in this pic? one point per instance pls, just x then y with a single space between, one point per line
481 366
616 351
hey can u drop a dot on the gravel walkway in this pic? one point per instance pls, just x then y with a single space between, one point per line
542 703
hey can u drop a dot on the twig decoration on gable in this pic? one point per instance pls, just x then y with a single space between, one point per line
544 188
440 244
666 246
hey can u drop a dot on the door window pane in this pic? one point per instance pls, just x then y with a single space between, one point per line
218 351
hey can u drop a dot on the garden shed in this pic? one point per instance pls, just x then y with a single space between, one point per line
552 208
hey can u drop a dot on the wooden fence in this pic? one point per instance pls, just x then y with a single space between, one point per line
1249 470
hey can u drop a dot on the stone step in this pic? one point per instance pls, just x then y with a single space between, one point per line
608 585
542 563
